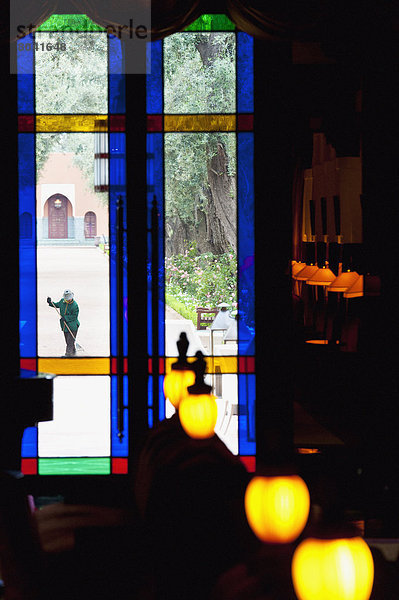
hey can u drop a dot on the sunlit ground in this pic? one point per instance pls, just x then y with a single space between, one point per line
86 272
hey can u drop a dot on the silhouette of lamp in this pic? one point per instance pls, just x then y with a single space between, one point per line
198 408
277 507
181 375
333 567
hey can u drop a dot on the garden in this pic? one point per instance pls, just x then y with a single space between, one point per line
205 280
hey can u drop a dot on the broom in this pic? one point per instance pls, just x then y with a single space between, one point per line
78 346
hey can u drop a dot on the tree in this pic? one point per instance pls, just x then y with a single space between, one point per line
200 168
71 81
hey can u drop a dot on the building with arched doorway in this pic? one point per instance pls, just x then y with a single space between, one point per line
68 212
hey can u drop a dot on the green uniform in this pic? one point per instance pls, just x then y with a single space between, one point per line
69 312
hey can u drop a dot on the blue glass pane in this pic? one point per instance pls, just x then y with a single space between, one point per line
149 295
246 244
117 180
27 245
245 73
155 188
161 399
119 446
150 410
161 279
154 78
25 69
29 443
116 81
246 415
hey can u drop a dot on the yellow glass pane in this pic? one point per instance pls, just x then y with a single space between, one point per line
200 122
51 123
74 366
214 364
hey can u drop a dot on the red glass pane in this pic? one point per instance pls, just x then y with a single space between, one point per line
114 369
154 122
117 122
28 363
246 364
249 463
119 466
245 122
29 466
26 123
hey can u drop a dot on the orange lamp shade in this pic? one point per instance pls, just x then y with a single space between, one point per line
342 569
277 508
356 290
176 383
296 267
323 276
198 414
305 273
343 281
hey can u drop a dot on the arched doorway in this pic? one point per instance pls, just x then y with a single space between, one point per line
58 216
90 224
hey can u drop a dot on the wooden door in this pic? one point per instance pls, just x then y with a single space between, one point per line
58 218
90 225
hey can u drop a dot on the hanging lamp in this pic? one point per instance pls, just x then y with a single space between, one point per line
323 276
344 281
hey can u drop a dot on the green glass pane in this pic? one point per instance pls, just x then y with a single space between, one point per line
74 466
70 23
211 23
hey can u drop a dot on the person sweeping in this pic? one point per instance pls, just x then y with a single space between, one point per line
68 311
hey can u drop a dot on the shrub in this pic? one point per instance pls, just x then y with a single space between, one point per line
202 279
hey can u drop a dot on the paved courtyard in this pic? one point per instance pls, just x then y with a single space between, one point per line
86 272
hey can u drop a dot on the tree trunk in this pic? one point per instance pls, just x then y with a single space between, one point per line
222 198
215 230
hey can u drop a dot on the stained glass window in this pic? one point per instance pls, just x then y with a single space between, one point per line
200 189
70 92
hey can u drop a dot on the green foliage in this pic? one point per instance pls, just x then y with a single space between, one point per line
73 80
202 279
199 75
182 308
186 170
194 84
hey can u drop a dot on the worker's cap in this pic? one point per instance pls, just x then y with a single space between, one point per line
68 295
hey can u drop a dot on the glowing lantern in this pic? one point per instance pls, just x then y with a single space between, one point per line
198 414
176 383
277 508
198 409
181 376
342 569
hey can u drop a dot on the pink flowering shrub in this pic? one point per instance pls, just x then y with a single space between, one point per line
202 279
